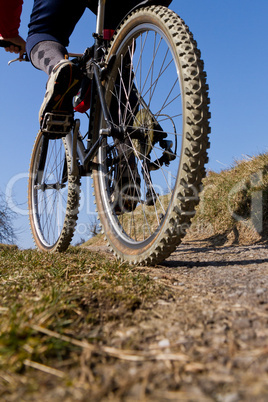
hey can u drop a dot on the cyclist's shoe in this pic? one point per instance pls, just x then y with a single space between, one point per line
62 85
127 192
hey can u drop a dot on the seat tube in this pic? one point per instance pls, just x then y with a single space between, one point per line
100 17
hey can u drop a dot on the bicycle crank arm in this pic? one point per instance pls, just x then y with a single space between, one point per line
100 91
93 150
74 167
111 129
54 186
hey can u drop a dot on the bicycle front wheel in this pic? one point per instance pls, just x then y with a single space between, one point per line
53 194
149 171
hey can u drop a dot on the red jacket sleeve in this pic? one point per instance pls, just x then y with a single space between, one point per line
10 11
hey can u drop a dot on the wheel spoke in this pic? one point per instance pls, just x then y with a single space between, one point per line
52 197
146 180
146 75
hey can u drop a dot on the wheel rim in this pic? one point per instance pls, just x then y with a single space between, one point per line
155 74
49 193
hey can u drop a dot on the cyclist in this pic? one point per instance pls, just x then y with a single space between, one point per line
51 24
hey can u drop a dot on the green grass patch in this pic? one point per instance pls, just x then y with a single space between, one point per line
75 295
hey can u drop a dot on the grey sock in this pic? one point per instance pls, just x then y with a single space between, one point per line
45 55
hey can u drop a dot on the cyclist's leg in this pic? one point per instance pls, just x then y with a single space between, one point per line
112 19
46 54
51 24
53 20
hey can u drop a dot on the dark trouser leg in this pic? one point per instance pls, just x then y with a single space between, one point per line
115 10
53 20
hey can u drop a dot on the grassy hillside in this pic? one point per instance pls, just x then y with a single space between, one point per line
233 206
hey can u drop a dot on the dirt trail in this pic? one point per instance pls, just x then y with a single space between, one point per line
211 331
219 317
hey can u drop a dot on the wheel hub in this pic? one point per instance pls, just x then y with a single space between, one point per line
144 145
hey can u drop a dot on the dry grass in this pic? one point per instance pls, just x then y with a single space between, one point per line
80 326
233 207
55 307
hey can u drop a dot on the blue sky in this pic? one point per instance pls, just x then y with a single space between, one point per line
232 36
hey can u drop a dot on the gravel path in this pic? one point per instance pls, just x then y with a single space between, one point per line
209 329
219 317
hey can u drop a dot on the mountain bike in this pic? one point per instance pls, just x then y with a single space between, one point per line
146 145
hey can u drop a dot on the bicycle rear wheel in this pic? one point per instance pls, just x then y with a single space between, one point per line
53 195
149 173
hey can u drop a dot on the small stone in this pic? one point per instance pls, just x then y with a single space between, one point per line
260 291
232 397
164 343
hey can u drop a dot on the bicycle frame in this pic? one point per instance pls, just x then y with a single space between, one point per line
146 143
74 142
100 17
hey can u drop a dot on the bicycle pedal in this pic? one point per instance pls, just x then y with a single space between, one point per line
57 124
